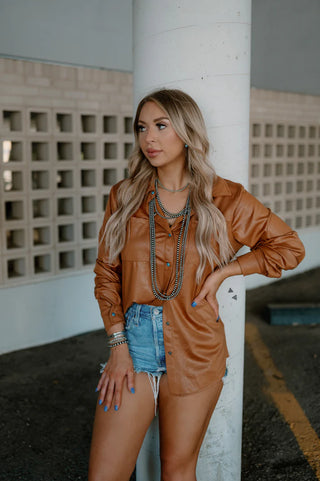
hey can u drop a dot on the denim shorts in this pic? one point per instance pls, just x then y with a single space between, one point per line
145 342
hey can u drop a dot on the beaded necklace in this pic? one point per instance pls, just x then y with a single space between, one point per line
181 244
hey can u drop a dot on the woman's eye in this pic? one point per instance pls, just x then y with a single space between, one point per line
141 128
161 126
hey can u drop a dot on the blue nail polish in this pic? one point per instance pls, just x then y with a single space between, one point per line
132 390
97 389
194 304
100 402
105 409
116 408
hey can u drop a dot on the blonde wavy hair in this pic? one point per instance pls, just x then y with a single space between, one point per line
187 121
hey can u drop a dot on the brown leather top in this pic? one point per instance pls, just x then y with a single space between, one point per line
195 343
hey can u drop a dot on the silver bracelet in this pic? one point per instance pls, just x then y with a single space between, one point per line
118 343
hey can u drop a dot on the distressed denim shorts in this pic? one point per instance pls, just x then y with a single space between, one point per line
145 341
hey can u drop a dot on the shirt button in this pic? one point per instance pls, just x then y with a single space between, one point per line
170 235
170 352
152 192
156 311
113 314
168 264
168 323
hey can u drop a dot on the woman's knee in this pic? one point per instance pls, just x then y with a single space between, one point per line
178 468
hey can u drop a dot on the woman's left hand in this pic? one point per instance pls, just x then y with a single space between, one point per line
208 292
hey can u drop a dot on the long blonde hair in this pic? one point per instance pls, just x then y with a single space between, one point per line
188 123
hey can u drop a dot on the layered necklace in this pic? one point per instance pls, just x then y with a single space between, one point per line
181 243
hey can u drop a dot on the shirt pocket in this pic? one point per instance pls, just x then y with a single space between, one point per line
137 245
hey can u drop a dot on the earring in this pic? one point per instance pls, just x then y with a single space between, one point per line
186 146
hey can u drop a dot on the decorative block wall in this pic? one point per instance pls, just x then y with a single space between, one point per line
65 136
285 155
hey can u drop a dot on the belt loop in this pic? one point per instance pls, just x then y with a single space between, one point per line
137 313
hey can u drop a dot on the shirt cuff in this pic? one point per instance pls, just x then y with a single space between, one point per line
249 264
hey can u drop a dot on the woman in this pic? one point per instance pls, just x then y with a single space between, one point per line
167 242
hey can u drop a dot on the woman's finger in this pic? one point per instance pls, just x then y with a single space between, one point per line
130 379
109 395
103 389
118 393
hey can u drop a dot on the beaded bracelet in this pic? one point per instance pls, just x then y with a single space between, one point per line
125 341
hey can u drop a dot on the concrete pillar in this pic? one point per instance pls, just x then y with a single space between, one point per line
203 47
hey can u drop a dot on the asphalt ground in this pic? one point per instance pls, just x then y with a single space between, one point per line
47 398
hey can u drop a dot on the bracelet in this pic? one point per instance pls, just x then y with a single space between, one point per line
115 341
117 334
119 343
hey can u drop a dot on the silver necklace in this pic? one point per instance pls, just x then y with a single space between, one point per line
172 190
180 250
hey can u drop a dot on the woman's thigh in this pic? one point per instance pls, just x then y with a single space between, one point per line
117 435
183 424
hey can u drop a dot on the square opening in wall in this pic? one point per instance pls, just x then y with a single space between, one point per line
64 179
105 198
66 260
300 168
291 131
255 169
41 236
89 256
109 176
127 150
12 120
65 206
255 149
256 130
254 189
16 268
110 124
289 205
279 169
311 167
40 208
280 130
302 131
88 150
309 203
88 123
66 233
267 170
15 238
128 128
279 150
89 230
299 222
88 204
299 204
278 188
278 206
40 151
268 150
289 169
14 210
110 150
289 187
42 263
268 130
40 179
310 185
64 122
299 186
301 150
38 122
312 132
290 150
11 151
266 189
88 178
64 151
12 181
311 150
308 220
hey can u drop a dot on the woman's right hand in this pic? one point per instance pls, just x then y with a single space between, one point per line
118 367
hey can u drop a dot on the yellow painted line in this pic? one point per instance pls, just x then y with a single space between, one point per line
285 401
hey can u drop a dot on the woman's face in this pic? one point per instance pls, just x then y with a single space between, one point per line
157 139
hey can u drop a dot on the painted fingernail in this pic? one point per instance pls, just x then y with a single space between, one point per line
218 319
194 304
97 389
105 409
100 402
116 408
132 390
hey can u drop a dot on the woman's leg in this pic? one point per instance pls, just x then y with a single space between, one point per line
183 424
118 435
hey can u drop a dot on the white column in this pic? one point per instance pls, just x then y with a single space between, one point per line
203 47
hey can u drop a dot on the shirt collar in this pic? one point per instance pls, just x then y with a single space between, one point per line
219 188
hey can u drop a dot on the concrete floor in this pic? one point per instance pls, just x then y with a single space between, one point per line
47 397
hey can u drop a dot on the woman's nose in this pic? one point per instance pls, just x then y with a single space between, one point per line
150 135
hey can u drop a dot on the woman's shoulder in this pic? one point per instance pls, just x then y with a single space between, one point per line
226 188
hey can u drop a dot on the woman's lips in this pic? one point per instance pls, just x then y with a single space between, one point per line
153 153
